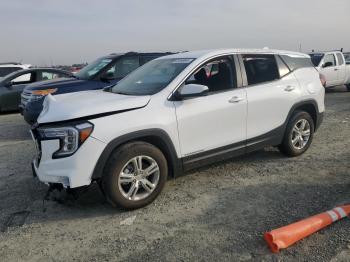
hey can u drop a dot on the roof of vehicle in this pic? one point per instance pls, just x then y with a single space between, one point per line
209 53
14 64
115 55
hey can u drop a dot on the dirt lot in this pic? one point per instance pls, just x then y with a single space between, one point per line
217 213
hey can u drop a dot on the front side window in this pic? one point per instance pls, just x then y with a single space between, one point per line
91 70
217 75
42 76
123 67
329 60
260 68
151 77
340 59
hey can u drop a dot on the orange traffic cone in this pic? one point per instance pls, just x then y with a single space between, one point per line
285 236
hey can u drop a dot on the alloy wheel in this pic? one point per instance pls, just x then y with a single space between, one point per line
139 178
301 134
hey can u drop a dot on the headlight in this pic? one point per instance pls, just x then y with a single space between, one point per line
71 137
39 94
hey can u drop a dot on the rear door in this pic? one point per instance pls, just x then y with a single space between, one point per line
272 90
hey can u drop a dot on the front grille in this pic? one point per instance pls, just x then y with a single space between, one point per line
25 97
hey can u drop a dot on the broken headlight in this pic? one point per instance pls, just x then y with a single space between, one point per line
70 137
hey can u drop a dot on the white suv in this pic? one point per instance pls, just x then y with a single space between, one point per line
176 113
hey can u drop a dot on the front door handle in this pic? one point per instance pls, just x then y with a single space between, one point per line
289 88
235 99
336 69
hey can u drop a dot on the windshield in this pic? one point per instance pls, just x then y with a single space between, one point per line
316 58
152 77
92 69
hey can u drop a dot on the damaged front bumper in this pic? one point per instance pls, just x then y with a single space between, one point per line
72 171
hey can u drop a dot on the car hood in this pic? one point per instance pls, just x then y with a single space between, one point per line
56 83
87 104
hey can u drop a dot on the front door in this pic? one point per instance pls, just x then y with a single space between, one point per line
216 123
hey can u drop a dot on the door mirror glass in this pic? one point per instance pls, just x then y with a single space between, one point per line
327 64
192 90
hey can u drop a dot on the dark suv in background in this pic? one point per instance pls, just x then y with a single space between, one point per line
104 71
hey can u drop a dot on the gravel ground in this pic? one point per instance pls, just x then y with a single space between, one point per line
218 213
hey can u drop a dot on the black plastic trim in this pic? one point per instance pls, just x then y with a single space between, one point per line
174 163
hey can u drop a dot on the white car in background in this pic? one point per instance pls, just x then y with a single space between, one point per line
8 68
174 114
332 65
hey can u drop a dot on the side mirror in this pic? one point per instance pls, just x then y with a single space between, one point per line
8 84
192 90
327 64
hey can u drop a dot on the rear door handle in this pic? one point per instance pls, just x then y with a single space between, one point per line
235 99
336 69
289 88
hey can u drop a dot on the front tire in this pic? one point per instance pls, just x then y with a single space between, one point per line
298 135
348 87
134 175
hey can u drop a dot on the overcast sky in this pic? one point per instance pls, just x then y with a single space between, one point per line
42 32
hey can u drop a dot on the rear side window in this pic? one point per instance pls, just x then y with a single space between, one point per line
340 59
260 68
294 62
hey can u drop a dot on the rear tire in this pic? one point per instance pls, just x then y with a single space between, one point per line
134 175
348 87
298 135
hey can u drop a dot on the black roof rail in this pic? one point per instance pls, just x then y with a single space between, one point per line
324 51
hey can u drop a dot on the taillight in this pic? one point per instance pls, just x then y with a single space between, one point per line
323 80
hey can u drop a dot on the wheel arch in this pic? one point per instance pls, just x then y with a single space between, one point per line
309 106
156 137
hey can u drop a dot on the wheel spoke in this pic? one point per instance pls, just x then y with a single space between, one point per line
147 185
126 178
133 190
303 123
294 141
301 142
295 129
306 132
137 162
151 169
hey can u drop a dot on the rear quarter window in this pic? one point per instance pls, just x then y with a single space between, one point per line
294 62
